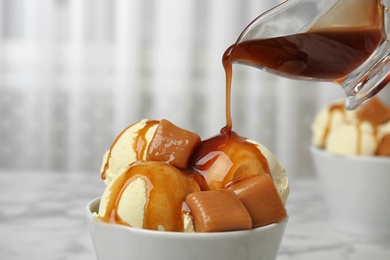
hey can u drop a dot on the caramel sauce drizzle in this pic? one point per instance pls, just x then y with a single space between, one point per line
141 141
228 73
116 191
106 165
234 156
168 180
375 135
332 109
140 144
359 145
359 138
218 148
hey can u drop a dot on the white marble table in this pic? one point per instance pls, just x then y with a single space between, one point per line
42 217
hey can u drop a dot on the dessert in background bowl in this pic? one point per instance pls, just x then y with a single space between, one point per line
351 150
171 195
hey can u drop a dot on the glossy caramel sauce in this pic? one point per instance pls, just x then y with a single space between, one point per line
322 54
166 188
227 65
140 144
332 109
141 141
225 159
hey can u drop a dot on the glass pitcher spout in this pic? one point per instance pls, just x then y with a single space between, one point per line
341 41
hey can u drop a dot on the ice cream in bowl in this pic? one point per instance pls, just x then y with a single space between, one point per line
171 195
351 150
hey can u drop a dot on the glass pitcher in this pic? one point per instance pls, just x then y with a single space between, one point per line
341 41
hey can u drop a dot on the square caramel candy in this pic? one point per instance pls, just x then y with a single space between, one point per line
383 148
261 199
172 144
374 111
217 211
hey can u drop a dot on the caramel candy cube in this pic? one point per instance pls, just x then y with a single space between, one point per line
172 144
218 210
383 148
261 199
374 111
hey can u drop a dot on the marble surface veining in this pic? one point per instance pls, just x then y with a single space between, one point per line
42 217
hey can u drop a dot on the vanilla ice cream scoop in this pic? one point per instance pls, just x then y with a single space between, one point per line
351 138
328 118
130 146
149 195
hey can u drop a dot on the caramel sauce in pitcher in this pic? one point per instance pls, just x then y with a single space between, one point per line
337 43
322 54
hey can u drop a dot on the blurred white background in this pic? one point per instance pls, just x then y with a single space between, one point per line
74 73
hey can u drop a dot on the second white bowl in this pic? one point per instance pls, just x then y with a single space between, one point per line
357 192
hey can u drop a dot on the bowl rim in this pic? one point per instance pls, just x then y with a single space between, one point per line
96 201
367 158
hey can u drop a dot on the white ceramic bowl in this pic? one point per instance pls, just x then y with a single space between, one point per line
357 192
119 242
